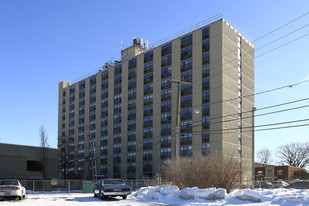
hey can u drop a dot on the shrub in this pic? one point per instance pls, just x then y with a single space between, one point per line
203 172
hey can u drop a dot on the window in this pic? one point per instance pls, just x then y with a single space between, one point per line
148 67
72 88
166 61
165 84
104 131
148 132
186 90
34 165
93 97
131 135
260 173
148 121
166 129
92 124
118 69
93 80
132 73
206 110
166 94
205 33
279 172
93 88
186 126
81 93
186 101
186 41
104 84
186 150
148 110
166 72
186 65
186 114
132 104
131 114
148 89
166 49
186 53
132 84
166 118
117 98
132 63
206 122
118 79
117 89
206 84
117 108
92 106
148 57
206 71
104 93
166 152
148 78
205 46
104 102
206 97
206 136
186 76
205 148
148 99
166 106
132 94
105 75
117 118
117 128
132 125
205 58
166 141
186 138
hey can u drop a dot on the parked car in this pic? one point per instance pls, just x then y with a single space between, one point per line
111 187
264 184
279 184
12 188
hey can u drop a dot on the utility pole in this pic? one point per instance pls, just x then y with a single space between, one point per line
253 168
178 112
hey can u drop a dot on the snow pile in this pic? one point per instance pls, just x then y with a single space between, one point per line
249 195
207 194
196 196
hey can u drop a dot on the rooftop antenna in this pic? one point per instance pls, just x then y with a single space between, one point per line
121 45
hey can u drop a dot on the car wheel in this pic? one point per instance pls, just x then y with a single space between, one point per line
94 194
20 197
124 197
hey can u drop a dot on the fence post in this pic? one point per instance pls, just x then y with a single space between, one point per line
33 187
69 186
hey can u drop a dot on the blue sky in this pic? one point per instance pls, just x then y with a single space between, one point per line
45 42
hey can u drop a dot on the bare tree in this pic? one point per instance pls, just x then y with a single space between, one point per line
294 154
44 146
264 155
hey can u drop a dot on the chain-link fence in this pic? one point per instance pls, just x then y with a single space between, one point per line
79 186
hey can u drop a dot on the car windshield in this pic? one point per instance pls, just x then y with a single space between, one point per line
113 182
9 182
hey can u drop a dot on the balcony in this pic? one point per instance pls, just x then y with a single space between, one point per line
132 137
117 150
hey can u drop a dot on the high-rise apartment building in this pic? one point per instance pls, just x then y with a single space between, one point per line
124 115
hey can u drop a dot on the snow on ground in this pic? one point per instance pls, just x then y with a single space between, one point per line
173 196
